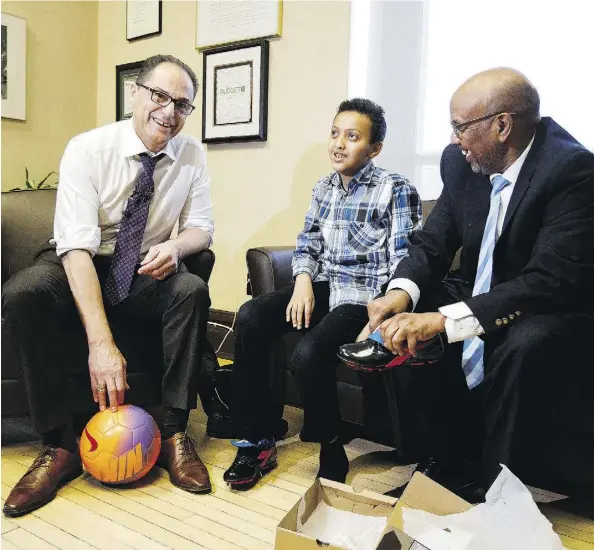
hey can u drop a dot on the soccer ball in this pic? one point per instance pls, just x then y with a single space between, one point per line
120 447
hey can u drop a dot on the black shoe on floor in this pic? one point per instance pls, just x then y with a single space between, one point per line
461 478
251 463
334 463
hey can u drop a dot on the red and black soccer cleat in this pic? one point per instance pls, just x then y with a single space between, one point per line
251 463
372 356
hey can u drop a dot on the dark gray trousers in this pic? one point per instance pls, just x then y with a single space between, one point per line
37 303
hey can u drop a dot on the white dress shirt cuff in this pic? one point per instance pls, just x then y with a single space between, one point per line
409 287
460 322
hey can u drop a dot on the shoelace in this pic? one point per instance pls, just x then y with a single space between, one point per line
44 459
186 447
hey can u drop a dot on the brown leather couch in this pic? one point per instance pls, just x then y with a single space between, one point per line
27 220
564 462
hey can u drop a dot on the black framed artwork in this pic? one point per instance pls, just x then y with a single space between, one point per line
126 76
235 93
144 18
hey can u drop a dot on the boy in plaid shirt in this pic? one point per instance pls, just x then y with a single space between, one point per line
356 231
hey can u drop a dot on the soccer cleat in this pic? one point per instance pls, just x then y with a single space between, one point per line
371 355
251 463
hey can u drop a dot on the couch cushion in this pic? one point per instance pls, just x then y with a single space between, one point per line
21 239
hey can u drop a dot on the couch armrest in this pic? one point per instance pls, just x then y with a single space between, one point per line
269 268
201 264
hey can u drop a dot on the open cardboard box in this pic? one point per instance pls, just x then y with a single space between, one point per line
421 493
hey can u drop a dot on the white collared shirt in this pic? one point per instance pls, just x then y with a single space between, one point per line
460 322
98 173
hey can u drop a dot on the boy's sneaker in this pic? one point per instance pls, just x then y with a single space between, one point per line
251 463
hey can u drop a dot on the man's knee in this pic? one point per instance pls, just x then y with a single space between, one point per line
250 316
30 287
191 289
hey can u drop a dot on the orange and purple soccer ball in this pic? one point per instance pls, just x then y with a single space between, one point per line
120 447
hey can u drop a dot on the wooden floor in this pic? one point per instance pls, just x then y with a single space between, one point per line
156 515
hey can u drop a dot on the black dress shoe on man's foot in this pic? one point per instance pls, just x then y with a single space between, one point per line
461 478
334 463
251 463
371 354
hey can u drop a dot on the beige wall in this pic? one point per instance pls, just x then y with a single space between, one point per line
260 191
61 80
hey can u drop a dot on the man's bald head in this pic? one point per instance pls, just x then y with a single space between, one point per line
494 114
502 90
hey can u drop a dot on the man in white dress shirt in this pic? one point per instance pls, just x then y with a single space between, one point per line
122 189
518 200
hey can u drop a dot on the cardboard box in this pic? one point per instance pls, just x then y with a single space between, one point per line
337 495
421 493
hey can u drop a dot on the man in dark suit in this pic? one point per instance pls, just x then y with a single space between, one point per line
518 199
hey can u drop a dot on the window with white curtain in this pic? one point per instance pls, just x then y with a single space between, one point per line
432 46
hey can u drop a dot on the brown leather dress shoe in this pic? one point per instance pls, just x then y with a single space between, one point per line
186 471
52 468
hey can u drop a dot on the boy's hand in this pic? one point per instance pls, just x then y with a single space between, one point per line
301 306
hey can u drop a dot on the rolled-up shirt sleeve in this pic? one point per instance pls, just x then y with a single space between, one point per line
76 221
197 210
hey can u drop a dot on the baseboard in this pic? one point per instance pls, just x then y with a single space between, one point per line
216 334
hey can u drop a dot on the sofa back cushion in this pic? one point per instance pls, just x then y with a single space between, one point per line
27 225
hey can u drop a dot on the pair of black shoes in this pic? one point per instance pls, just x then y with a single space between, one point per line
372 356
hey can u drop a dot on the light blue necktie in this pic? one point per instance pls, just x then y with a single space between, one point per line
472 350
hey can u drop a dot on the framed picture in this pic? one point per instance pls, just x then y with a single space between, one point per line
144 18
14 67
235 93
126 76
219 23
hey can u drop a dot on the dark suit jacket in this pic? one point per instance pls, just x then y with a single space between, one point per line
544 258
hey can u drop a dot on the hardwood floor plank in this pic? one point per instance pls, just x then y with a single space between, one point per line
7 525
206 525
112 502
27 541
7 545
47 531
206 507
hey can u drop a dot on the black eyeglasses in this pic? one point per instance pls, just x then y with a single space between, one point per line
460 128
163 99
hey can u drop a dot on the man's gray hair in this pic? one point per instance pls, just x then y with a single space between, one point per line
152 62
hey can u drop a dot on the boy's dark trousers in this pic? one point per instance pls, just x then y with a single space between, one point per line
259 325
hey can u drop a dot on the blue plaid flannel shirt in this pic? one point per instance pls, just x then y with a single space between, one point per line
355 239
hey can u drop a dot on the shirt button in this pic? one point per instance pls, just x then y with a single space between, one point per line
518 313
498 322
511 316
505 320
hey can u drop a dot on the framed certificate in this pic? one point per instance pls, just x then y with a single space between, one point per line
144 18
235 93
126 76
14 63
220 22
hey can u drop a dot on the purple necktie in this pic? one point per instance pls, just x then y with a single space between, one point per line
129 238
